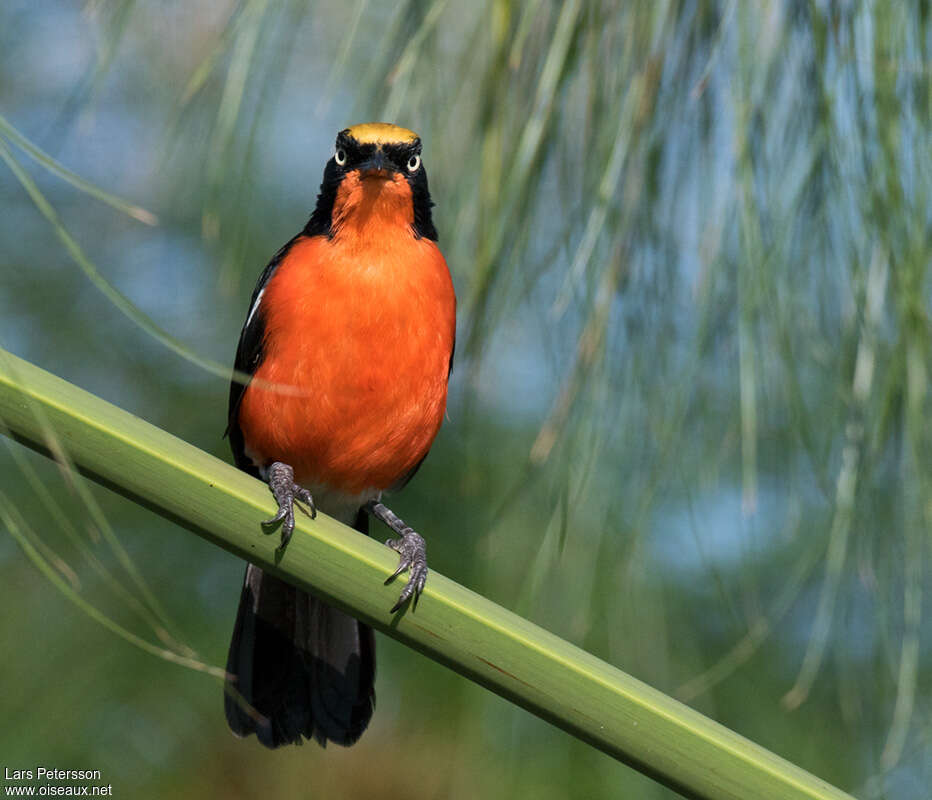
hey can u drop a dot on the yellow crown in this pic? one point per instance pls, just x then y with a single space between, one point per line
381 133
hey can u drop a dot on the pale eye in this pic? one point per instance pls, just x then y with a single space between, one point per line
414 163
340 157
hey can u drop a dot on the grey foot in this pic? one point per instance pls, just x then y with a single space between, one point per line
288 495
411 549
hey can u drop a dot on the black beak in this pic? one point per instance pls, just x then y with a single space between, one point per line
377 165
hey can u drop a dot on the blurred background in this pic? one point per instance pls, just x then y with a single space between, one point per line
688 419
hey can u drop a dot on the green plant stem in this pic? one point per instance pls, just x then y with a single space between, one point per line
499 650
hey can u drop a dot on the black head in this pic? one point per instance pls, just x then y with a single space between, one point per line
375 148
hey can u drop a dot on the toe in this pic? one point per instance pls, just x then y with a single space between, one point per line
402 566
305 497
281 515
287 528
402 598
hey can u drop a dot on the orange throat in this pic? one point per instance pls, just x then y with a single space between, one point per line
368 210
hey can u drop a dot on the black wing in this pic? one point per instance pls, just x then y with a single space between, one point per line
248 358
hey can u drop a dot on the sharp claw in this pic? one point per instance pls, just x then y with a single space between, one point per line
286 537
282 513
306 499
287 529
403 598
401 568
412 587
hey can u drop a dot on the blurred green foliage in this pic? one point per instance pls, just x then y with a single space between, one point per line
691 243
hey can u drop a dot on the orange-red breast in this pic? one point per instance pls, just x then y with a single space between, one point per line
350 334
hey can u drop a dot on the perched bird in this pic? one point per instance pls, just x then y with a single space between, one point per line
349 341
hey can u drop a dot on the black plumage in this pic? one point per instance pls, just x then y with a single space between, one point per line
302 668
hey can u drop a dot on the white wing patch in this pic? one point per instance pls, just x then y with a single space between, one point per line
255 307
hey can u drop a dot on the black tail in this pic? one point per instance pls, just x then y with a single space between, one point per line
299 667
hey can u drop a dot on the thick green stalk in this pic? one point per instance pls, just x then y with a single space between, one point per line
538 671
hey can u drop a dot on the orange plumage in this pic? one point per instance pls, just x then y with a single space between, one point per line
361 325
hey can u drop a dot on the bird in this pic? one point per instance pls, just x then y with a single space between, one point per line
339 389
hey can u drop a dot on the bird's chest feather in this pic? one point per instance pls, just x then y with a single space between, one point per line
360 329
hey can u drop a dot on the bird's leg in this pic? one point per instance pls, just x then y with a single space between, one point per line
287 494
411 549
